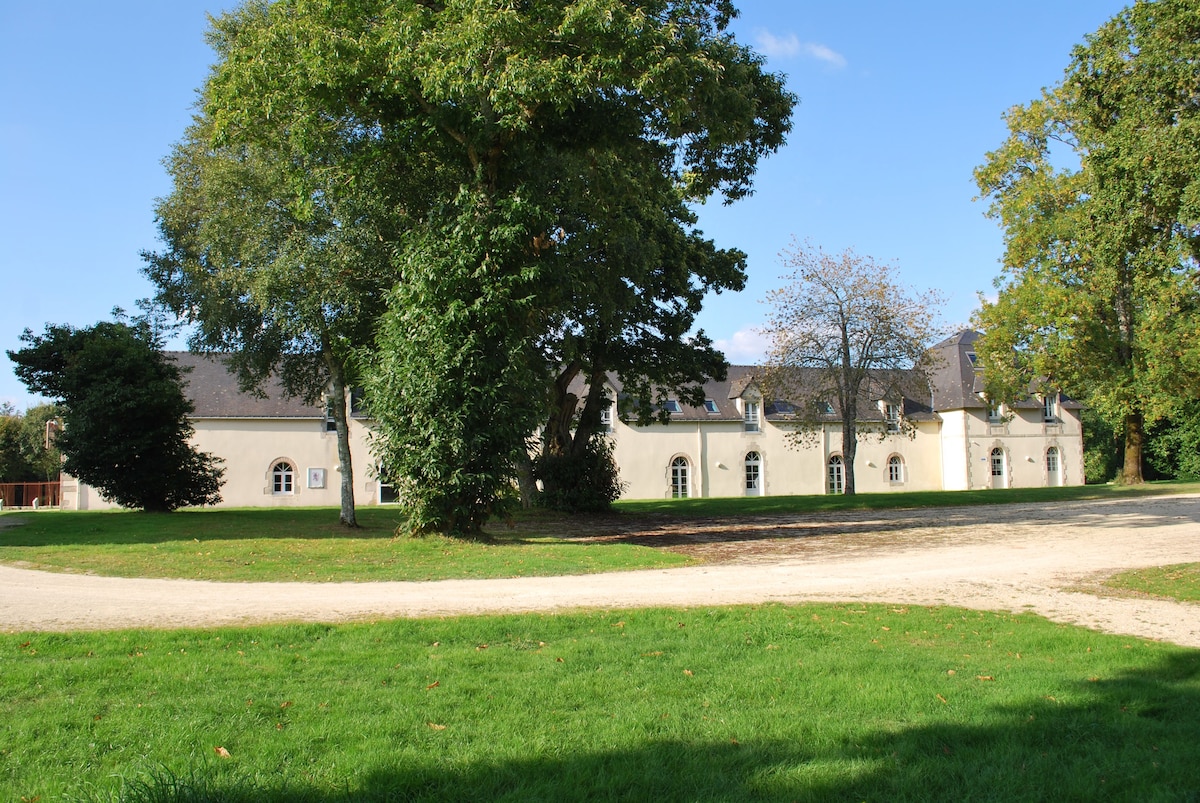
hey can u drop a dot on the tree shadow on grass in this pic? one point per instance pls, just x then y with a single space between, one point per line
1130 737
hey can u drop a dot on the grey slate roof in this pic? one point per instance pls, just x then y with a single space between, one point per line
958 384
214 392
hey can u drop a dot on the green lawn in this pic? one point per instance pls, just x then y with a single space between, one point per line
773 505
287 544
812 702
1180 581
284 544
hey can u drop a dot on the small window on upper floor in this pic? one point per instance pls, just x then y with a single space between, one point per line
606 418
330 422
672 406
825 408
995 413
751 416
891 412
710 407
1050 409
971 358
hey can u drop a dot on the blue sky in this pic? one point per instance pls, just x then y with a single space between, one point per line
898 104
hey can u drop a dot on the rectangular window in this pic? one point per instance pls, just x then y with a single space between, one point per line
751 416
995 415
1050 409
892 413
672 406
710 407
606 418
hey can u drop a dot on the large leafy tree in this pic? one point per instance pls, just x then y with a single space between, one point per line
509 119
125 415
844 333
278 243
1098 192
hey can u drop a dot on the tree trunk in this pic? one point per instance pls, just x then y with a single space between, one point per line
346 468
849 450
1135 438
526 481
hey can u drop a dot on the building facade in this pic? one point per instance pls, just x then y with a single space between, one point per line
280 451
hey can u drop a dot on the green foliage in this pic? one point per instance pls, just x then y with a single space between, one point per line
24 455
1173 444
455 385
522 154
1099 294
125 416
586 483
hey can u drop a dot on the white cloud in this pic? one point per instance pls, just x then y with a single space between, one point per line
790 46
745 347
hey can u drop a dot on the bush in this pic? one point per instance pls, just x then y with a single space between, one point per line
584 483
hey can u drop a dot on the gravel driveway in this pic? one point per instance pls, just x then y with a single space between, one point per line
1044 558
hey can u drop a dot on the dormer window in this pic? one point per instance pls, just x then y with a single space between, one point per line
995 413
606 418
825 408
1050 409
672 406
750 411
891 413
710 407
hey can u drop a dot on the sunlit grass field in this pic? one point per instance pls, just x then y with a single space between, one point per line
290 544
811 702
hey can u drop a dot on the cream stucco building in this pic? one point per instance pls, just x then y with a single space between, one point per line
280 451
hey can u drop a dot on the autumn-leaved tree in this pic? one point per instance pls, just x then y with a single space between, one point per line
126 429
844 335
1099 196
537 143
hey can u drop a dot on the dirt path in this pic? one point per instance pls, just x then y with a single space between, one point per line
1040 558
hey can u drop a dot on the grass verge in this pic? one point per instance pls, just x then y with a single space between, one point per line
782 505
1180 581
813 702
300 544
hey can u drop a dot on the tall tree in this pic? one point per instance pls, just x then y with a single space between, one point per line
1099 293
845 333
509 115
125 416
278 240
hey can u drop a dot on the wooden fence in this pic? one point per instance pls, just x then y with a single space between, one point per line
25 494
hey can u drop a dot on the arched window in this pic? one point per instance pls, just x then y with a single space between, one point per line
837 477
283 478
1053 468
753 465
679 478
997 464
895 469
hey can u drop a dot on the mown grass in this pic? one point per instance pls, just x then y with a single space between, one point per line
290 544
813 702
295 544
1180 581
778 505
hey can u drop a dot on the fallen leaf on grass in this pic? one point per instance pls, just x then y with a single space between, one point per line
222 752
984 677
286 704
943 699
436 726
433 685
687 672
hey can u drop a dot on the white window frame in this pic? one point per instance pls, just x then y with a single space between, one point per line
895 469
283 478
681 477
1050 409
891 413
752 473
751 415
835 475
